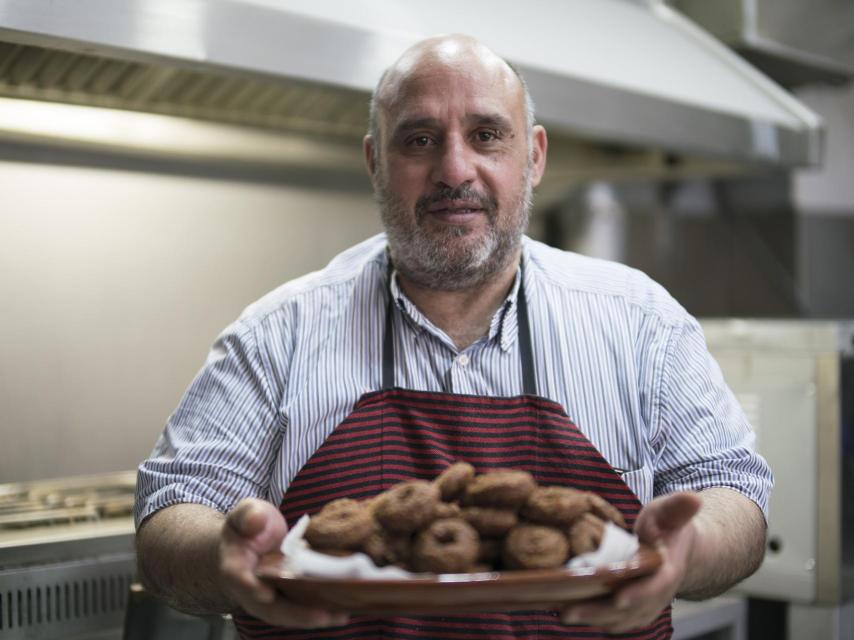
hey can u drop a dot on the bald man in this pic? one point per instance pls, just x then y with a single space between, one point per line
453 307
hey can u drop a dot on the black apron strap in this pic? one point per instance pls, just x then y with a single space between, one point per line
526 352
388 336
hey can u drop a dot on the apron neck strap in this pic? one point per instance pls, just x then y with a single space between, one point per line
526 352
388 334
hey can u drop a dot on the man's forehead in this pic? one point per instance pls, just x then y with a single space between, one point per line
436 90
426 81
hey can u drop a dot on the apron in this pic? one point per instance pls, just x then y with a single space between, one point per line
397 434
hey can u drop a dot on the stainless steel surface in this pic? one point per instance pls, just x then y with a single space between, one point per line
66 555
150 619
66 517
62 599
787 376
830 622
829 559
723 618
795 42
80 499
308 66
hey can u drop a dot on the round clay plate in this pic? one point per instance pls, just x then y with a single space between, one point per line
458 592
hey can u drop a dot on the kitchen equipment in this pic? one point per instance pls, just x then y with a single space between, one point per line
795 381
148 618
794 42
624 73
66 555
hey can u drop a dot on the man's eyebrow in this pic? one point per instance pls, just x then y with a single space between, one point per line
480 119
412 124
491 120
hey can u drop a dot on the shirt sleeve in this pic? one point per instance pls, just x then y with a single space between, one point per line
219 445
707 440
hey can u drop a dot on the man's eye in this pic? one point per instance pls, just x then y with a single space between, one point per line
487 135
420 141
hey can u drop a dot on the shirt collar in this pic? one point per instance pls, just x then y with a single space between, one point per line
502 327
505 321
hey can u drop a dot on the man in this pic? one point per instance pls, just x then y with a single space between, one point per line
458 306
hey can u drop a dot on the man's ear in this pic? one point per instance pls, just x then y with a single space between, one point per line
370 157
539 148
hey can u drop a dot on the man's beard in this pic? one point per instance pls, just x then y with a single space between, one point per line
437 256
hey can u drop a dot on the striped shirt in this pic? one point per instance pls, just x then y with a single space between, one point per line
625 360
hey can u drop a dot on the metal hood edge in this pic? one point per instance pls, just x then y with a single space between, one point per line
311 65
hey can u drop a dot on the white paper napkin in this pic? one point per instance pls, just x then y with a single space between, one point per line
303 561
618 545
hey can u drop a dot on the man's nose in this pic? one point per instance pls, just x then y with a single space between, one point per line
455 164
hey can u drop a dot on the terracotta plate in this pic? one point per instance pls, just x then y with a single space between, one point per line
453 593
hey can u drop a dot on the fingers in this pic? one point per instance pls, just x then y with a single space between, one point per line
282 613
634 606
611 617
251 529
666 515
256 523
247 519
263 602
665 521
237 575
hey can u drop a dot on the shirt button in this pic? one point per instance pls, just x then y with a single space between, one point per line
463 360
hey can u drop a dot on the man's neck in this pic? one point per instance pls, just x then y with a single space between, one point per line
465 315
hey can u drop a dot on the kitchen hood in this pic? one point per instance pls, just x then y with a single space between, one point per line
796 43
617 82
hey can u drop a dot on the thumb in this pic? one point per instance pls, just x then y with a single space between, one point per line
256 523
666 515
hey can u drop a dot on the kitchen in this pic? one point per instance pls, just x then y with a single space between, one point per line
128 245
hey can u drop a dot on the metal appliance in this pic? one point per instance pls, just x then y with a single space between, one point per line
795 381
66 556
794 42
631 74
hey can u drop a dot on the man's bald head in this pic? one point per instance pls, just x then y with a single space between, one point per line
458 51
454 156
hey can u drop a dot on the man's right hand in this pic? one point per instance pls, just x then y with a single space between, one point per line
255 527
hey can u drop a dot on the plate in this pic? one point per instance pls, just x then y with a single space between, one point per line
458 592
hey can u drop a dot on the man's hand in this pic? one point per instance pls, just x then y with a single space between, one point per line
665 523
253 528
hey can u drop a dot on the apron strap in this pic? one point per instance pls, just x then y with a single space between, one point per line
526 351
388 338
523 326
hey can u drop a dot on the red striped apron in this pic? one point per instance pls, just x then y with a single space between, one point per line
397 434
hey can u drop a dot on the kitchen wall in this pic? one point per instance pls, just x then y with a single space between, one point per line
825 201
114 283
829 189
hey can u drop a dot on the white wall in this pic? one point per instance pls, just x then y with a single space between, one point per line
829 189
113 286
824 198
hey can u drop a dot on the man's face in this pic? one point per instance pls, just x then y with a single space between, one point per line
454 174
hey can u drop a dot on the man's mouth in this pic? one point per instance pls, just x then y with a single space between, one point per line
454 207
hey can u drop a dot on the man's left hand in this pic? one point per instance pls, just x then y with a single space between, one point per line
664 523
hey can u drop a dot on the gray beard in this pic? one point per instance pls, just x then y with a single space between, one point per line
441 259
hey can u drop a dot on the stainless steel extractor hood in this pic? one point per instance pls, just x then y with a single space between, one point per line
794 42
606 75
